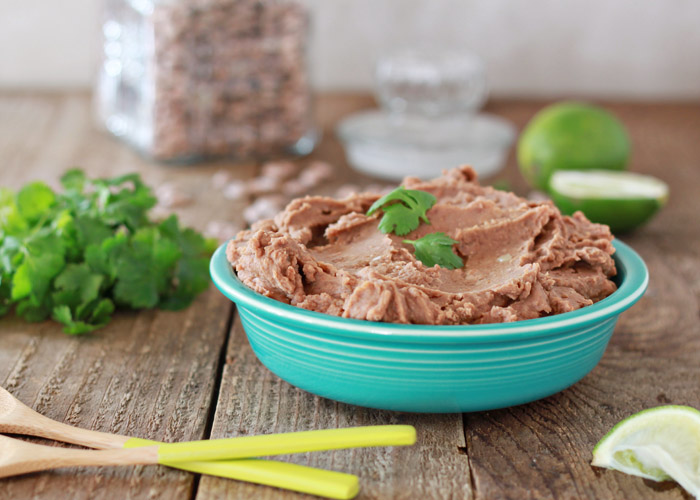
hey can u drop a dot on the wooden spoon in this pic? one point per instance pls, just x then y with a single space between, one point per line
19 457
264 445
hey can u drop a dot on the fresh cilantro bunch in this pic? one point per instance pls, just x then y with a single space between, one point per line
77 255
404 209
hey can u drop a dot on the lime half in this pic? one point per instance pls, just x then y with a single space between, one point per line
622 200
659 444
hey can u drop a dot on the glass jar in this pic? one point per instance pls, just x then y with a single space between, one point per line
183 80
429 118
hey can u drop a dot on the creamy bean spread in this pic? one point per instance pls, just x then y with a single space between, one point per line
522 259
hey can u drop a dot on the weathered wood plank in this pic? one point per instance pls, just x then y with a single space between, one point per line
254 401
149 374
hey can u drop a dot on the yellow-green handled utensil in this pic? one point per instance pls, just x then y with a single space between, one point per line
294 477
20 457
281 444
324 483
17 418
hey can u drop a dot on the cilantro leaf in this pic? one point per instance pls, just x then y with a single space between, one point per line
73 326
10 256
424 201
398 194
144 268
34 200
79 282
102 311
192 270
405 215
86 319
91 230
43 260
74 180
33 312
5 294
399 219
124 200
436 248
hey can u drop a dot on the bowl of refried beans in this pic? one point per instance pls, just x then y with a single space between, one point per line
444 296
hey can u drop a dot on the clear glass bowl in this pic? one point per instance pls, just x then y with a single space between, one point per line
379 145
428 120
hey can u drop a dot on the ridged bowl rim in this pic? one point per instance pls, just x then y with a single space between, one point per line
633 281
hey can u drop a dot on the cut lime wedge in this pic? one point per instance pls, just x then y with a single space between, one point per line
622 200
659 444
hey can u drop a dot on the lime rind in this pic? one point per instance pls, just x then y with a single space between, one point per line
640 461
602 184
622 200
640 420
659 444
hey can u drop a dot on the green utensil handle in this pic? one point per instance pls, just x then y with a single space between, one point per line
294 477
271 473
292 442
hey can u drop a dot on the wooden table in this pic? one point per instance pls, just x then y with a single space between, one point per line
191 374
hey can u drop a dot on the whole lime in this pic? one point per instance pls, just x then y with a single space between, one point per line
571 136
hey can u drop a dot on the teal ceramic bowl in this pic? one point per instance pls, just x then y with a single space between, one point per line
422 368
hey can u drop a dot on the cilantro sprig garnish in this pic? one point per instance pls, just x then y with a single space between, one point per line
75 256
436 248
403 210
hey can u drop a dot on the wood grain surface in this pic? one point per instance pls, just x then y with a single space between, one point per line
191 374
254 401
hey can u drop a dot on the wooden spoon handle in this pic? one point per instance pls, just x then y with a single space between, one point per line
19 457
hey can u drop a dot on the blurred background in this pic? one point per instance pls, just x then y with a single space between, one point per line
357 94
625 49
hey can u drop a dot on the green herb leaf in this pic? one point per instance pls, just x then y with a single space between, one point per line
192 270
398 219
5 294
102 311
11 221
34 200
405 215
80 282
63 314
144 268
74 180
436 248
33 312
43 260
88 318
124 200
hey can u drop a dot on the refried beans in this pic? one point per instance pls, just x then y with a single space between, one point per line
522 259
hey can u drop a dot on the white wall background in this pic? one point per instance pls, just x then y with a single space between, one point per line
608 48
